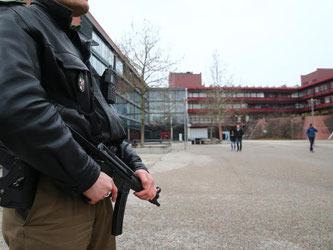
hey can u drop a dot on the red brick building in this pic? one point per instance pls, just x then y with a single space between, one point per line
316 76
184 80
246 104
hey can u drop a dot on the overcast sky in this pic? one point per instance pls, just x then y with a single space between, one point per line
263 42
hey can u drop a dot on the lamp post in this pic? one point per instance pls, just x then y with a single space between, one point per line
292 128
312 110
185 123
171 129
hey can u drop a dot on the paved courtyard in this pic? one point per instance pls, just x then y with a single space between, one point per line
273 195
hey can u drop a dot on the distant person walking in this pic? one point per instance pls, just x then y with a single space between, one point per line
239 137
311 133
233 139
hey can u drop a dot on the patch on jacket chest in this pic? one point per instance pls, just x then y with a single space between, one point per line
82 83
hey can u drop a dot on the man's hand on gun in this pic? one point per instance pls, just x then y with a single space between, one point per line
103 187
140 181
148 184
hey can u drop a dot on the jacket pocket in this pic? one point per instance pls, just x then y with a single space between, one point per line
70 61
76 81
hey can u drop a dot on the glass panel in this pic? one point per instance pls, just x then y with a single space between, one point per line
327 99
103 49
294 95
119 67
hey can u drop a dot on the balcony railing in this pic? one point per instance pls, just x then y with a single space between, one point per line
247 99
316 95
267 99
247 110
267 110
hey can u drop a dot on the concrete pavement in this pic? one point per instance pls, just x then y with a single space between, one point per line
273 195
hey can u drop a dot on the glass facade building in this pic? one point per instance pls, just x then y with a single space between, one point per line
167 111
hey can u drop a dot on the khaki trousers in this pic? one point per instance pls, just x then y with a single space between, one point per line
59 220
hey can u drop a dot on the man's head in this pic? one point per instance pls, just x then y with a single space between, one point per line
79 7
238 126
310 124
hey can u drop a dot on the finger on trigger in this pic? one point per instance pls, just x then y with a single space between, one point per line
142 195
114 196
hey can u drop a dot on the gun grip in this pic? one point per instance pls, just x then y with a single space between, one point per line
118 213
154 200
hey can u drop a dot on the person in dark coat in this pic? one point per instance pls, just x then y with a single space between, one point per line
239 137
233 139
311 133
47 83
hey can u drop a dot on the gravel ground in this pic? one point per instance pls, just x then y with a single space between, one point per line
272 195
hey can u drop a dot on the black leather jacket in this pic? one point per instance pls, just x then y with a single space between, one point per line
46 80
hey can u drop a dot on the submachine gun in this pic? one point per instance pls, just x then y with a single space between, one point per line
124 178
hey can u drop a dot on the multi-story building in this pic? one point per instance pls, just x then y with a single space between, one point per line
243 104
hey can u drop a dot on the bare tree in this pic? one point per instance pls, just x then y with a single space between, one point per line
218 104
141 45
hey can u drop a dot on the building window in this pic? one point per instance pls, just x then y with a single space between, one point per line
323 87
294 95
326 86
194 106
119 67
103 50
97 65
327 99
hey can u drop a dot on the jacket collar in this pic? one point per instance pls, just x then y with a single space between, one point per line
61 13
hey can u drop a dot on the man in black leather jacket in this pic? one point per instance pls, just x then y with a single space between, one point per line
45 82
